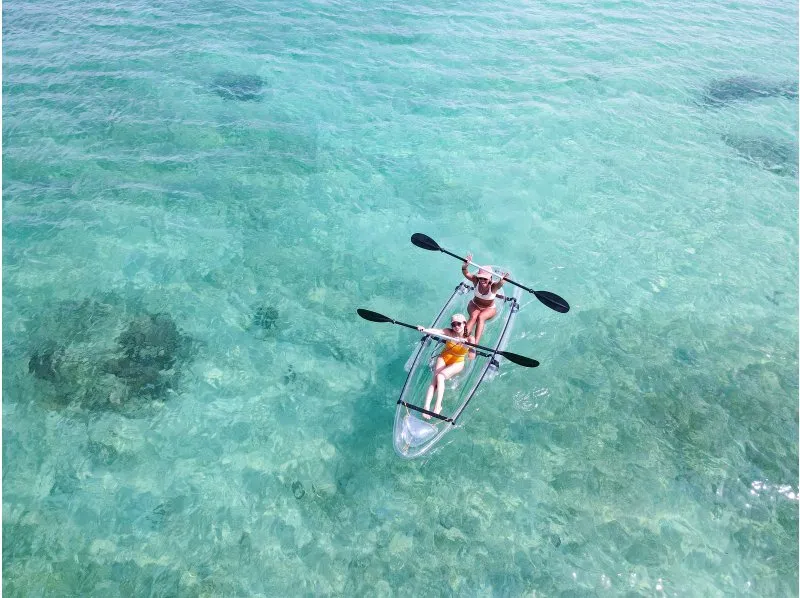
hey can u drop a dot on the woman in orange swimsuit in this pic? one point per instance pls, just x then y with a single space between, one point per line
450 361
481 307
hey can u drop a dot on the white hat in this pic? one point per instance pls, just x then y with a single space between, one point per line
484 274
458 318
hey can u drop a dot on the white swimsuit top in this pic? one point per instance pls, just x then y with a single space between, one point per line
488 296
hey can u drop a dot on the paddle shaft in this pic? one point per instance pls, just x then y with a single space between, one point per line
444 336
374 316
458 257
549 299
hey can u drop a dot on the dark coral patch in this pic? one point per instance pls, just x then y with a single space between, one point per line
735 89
151 339
45 361
233 86
79 351
298 490
776 155
265 317
149 346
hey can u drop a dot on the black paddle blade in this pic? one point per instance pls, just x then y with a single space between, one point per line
552 301
525 362
373 316
424 242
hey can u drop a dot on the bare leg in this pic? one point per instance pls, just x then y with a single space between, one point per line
428 398
473 312
440 380
440 365
483 316
445 374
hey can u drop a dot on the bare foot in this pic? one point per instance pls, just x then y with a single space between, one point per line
426 416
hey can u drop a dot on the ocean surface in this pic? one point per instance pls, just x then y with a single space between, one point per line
198 195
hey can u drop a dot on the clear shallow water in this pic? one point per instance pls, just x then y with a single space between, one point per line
240 444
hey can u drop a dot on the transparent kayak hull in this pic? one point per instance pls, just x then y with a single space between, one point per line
414 434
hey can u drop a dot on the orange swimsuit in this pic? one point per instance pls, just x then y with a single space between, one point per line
453 353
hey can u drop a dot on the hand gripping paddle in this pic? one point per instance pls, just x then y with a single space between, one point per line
527 362
551 300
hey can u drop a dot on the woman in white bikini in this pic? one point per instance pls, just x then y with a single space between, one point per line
481 307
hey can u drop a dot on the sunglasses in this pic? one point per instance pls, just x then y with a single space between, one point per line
454 324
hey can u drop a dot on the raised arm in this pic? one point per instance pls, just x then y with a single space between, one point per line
465 272
496 286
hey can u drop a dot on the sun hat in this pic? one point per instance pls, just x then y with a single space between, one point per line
483 274
458 318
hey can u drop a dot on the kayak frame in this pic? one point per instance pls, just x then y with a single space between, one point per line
492 364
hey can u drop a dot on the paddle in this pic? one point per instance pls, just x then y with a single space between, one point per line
373 316
551 300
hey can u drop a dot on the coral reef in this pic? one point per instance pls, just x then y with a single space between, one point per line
106 353
734 89
233 86
265 317
776 155
150 346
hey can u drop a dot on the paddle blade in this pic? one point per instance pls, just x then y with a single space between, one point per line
425 242
552 301
373 316
525 362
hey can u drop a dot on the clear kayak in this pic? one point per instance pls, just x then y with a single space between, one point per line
414 433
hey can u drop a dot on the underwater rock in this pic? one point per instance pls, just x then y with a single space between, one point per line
774 298
776 155
152 339
64 482
66 324
102 453
76 321
685 355
69 342
647 550
232 86
150 345
265 317
140 378
291 376
298 490
77 350
45 361
733 89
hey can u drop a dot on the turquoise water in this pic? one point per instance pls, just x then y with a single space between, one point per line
198 195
